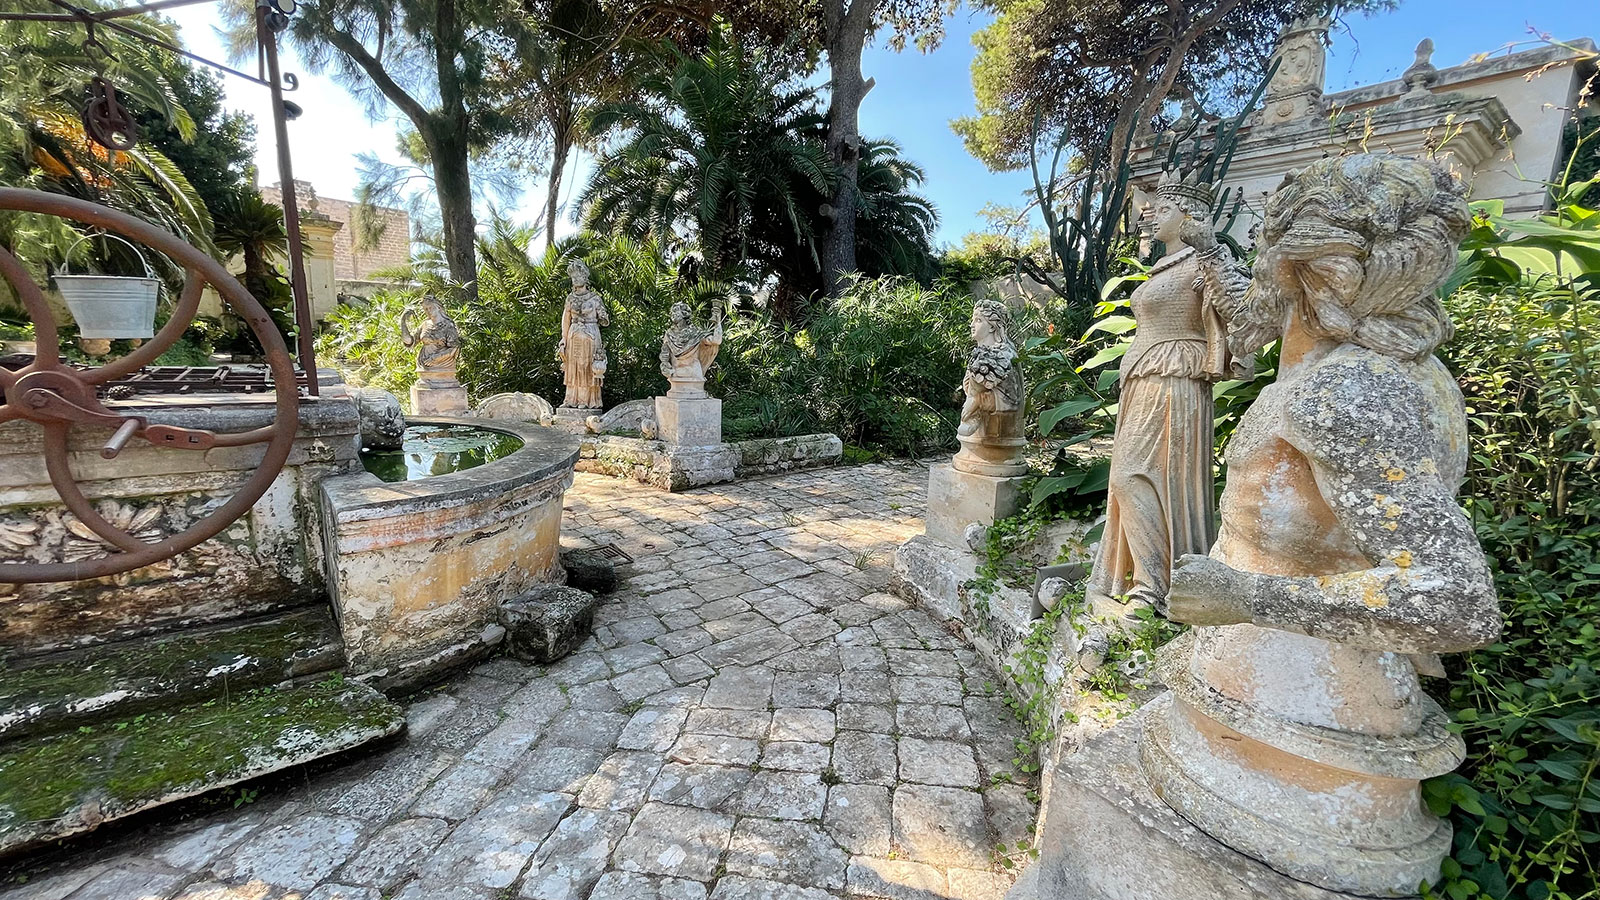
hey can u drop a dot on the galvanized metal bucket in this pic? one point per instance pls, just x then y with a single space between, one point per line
112 306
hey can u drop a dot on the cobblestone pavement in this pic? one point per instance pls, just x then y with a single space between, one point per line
753 719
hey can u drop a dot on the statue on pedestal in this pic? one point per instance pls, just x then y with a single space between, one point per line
581 351
1159 503
1298 732
688 351
991 418
438 342
436 390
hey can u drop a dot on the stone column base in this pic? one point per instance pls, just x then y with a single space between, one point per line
695 422
1105 835
438 398
957 499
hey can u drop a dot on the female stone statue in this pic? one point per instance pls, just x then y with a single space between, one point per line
687 352
438 341
1160 494
991 418
582 354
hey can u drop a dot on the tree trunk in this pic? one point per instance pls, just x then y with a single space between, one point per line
846 35
562 132
454 182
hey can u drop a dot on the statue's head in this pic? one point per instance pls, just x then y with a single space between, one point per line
991 322
1179 198
1359 245
578 271
433 307
680 313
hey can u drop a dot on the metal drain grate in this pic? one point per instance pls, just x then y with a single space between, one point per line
613 553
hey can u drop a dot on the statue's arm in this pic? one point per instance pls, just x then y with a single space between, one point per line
1376 460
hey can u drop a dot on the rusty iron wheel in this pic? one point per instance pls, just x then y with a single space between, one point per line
58 397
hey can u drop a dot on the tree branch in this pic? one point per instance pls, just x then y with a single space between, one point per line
391 90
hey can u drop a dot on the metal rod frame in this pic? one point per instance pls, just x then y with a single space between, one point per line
267 40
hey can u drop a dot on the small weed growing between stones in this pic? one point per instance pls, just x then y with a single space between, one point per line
631 707
830 777
865 559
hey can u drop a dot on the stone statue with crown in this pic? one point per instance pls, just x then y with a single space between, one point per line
1160 493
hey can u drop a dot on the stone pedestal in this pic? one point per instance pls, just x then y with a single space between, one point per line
689 422
957 499
1105 835
574 419
438 397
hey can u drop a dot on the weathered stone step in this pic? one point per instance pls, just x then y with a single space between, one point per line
115 682
57 785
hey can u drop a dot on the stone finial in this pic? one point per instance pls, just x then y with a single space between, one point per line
1295 91
1422 73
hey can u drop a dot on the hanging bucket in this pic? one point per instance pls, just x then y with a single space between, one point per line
112 306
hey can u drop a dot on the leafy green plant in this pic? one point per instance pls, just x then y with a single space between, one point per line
1526 803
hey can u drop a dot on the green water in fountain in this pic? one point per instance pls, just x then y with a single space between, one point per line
429 450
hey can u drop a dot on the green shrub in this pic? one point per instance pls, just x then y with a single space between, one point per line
1526 804
880 366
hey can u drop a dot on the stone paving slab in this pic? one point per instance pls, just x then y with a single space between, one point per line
753 719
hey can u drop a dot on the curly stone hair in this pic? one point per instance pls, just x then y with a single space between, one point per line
1361 244
997 315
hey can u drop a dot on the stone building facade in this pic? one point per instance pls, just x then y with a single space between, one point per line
1497 122
350 263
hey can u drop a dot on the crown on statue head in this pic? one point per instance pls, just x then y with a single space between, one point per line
1185 187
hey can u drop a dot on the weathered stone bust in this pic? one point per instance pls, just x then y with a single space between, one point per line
1298 732
688 351
438 342
581 351
991 418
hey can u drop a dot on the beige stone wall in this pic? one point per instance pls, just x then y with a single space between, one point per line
350 264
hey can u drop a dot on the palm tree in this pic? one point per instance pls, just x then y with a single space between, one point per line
44 67
247 226
724 145
894 224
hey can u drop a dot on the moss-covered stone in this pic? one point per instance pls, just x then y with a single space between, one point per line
116 681
71 782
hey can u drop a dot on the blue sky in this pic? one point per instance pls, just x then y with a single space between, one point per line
915 98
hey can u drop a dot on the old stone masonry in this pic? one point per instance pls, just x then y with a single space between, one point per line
754 718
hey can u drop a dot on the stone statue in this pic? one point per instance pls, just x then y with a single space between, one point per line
582 354
1160 492
687 352
436 390
991 418
1297 732
438 342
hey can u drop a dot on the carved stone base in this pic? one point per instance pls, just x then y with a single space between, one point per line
693 422
1105 835
438 398
1000 458
574 419
959 498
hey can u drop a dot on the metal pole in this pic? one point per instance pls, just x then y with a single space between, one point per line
304 324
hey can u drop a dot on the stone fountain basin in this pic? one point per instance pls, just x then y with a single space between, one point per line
417 569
